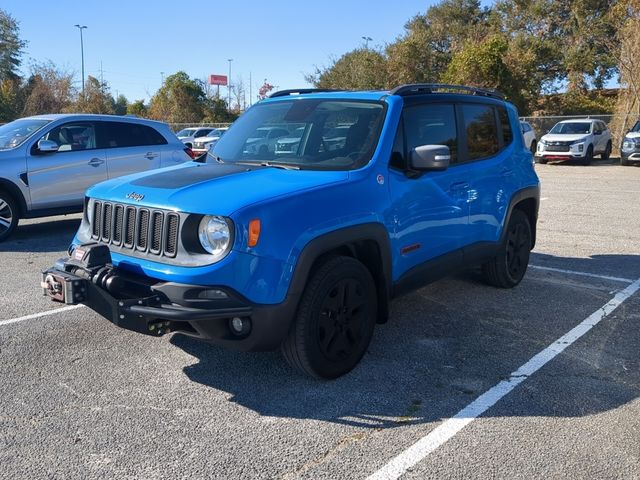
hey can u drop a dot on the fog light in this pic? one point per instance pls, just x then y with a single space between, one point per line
240 326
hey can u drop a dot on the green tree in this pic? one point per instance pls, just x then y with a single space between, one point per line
137 108
11 47
96 98
179 100
360 69
47 90
120 105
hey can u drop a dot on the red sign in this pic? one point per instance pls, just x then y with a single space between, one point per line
218 80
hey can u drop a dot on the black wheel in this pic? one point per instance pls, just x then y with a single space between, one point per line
588 157
624 162
263 150
335 319
533 147
8 215
507 269
607 152
542 160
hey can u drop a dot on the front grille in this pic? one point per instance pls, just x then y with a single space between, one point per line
133 228
558 148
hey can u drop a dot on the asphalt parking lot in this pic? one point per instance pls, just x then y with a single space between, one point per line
81 398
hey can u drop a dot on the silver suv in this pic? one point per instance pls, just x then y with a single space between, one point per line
48 161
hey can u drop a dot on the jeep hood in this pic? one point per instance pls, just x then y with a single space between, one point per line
564 137
216 189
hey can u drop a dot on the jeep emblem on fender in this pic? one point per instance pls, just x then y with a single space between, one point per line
135 196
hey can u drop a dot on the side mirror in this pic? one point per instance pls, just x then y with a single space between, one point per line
47 146
430 158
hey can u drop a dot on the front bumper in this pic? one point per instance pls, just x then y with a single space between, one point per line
630 155
151 307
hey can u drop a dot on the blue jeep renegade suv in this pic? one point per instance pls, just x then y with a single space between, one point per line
303 248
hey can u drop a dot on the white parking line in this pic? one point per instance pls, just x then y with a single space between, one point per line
447 430
38 315
583 274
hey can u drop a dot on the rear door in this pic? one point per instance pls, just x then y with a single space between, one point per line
60 179
131 148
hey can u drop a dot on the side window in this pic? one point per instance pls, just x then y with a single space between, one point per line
507 134
482 134
201 133
431 124
73 136
121 134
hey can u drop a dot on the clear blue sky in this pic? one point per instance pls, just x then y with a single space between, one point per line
136 40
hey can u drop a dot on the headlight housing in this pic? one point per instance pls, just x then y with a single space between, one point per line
577 146
216 235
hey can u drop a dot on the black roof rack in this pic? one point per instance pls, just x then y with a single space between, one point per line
421 88
299 91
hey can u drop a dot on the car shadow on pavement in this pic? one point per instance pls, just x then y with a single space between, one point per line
49 236
446 344
596 162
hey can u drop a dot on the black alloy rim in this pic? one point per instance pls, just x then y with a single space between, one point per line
517 249
342 320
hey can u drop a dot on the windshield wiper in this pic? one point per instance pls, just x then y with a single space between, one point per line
284 166
215 157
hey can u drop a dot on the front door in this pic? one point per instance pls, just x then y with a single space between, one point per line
430 210
60 179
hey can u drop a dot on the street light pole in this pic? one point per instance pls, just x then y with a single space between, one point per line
81 27
229 85
366 42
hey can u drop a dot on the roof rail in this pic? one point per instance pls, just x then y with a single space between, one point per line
300 91
420 88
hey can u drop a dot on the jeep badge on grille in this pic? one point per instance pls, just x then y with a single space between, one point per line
135 196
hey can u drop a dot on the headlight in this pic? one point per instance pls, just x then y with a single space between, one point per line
90 208
215 236
577 147
542 141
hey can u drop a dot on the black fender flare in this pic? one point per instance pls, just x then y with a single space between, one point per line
532 192
352 235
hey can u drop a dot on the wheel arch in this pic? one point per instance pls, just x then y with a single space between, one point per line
369 243
15 192
527 200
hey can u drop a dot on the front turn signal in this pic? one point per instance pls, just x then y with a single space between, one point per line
254 232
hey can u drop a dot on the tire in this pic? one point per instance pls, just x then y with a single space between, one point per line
607 152
624 162
542 160
533 147
9 216
588 158
334 321
507 269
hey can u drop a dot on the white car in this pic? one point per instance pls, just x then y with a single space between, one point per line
203 144
575 140
529 134
630 148
189 135
263 140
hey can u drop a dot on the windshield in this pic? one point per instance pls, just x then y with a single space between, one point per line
186 132
16 133
330 134
571 128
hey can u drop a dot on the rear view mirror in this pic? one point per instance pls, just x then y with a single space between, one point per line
47 146
430 158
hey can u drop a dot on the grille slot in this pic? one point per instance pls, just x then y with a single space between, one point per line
131 228
97 216
107 210
156 233
142 235
171 240
116 238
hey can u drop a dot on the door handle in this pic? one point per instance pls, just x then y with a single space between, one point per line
459 186
96 162
150 156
